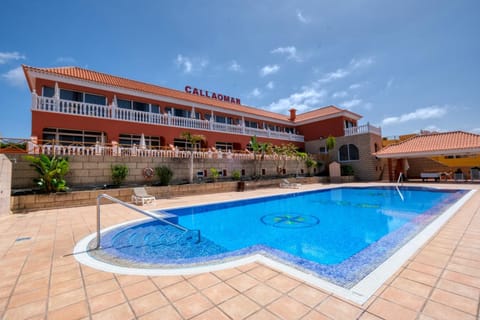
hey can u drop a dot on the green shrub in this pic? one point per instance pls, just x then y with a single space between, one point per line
236 175
119 173
346 170
164 174
52 171
215 173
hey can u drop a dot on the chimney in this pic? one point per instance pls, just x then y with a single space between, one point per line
293 114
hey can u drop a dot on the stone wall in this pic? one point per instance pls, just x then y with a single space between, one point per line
25 203
91 171
5 184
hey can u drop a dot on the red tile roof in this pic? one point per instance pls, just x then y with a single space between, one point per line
110 80
455 142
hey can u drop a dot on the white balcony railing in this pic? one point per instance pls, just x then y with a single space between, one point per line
366 128
40 103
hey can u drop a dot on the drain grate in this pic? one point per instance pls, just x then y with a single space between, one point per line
22 239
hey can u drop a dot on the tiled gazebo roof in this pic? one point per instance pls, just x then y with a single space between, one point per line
447 143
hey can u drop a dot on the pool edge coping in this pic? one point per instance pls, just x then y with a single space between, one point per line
359 293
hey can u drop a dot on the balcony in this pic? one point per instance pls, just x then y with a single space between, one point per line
56 105
366 128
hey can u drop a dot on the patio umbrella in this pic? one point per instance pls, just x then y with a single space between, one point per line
143 145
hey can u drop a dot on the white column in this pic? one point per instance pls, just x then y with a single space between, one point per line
34 100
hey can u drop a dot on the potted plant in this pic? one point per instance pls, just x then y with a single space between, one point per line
164 174
119 173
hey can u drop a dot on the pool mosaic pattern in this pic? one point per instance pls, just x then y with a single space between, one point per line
40 279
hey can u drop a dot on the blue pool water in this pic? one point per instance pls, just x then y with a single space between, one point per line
340 234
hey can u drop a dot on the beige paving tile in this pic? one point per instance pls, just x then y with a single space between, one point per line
239 307
204 280
102 287
242 282
455 301
338 309
262 273
391 311
148 303
219 292
33 309
121 311
288 308
458 288
65 299
106 301
178 290
403 298
167 313
192 305
440 311
414 287
165 281
139 289
308 295
214 313
262 294
282 283
77 310
315 315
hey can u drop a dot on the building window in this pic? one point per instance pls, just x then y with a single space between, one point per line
71 95
124 104
323 150
349 124
220 119
95 99
48 92
155 108
185 145
131 139
140 106
251 124
68 137
348 152
224 146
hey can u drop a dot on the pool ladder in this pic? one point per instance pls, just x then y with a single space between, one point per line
400 178
146 213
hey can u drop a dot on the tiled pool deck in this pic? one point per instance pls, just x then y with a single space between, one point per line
40 279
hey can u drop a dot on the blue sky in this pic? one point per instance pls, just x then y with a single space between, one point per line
404 65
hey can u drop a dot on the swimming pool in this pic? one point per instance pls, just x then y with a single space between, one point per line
338 234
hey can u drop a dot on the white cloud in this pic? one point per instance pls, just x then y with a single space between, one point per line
190 65
419 114
339 94
255 92
344 72
15 77
351 103
6 57
66 60
234 66
270 85
301 17
291 52
304 100
269 69
337 74
354 86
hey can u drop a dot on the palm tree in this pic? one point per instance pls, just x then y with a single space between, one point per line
193 140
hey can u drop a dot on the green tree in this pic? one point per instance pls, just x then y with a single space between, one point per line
164 174
52 171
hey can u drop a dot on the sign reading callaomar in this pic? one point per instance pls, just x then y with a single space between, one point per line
211 95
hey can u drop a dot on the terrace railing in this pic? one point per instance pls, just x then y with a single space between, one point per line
51 104
367 128
63 148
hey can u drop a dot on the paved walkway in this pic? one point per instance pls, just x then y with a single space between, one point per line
39 279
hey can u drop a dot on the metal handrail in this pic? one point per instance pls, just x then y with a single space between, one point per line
149 214
400 177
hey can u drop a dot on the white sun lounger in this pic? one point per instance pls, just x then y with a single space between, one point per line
287 184
140 195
